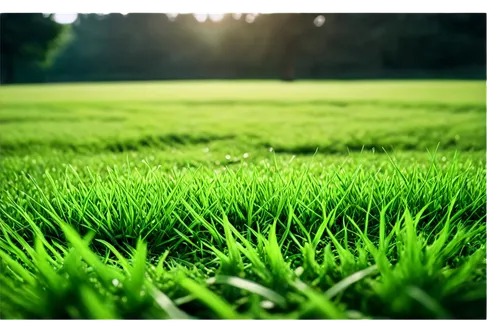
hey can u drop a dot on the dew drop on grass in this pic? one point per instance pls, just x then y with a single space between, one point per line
206 150
299 271
245 155
271 149
228 157
444 158
115 282
267 304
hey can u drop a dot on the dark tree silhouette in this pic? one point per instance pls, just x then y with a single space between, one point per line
25 39
286 46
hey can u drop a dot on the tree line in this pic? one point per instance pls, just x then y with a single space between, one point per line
34 48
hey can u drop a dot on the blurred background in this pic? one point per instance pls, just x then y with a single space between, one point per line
38 47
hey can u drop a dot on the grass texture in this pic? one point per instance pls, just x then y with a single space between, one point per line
243 200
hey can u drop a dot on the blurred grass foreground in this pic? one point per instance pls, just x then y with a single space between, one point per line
253 200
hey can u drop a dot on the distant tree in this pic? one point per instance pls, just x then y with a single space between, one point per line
292 37
25 39
288 46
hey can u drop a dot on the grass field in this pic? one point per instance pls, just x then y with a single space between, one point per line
356 199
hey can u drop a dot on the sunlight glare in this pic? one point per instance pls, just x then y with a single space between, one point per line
172 16
250 18
65 18
200 17
215 17
237 16
252 15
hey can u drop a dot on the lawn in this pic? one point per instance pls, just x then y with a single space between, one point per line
250 199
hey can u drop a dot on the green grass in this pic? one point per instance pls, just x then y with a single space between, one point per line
243 200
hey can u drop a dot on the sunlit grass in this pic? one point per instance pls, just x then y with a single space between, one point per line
409 91
181 209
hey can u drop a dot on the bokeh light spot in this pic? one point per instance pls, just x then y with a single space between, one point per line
319 20
65 18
